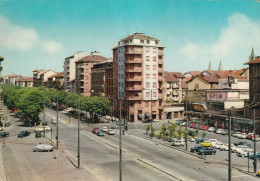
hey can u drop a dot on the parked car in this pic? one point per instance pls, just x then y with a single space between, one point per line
192 125
225 147
213 141
238 148
1 128
179 122
23 134
236 133
196 126
201 127
223 132
219 131
95 130
241 136
215 130
191 133
177 143
211 129
196 148
242 143
4 134
201 139
207 151
251 156
244 152
104 129
257 138
205 128
100 133
217 145
206 143
43 147
42 128
110 132
38 134
53 120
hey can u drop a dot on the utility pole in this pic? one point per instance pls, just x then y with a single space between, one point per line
57 136
79 134
151 114
186 116
229 147
120 146
255 161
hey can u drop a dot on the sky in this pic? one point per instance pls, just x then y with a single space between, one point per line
41 34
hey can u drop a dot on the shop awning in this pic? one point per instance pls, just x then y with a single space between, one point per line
199 107
140 116
147 115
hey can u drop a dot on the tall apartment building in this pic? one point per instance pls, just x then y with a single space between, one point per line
138 76
102 79
83 72
70 71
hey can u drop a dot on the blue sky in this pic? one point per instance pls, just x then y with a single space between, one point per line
40 34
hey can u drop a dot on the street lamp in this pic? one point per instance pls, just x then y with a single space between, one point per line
79 133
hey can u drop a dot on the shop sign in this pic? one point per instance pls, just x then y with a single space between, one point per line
216 95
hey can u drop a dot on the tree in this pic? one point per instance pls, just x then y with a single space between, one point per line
204 133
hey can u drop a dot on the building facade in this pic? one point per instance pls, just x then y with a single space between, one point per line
70 71
56 81
83 72
138 78
40 77
25 82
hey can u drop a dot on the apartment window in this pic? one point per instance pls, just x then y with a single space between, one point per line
154 94
156 42
154 67
147 58
154 59
147 49
148 42
142 41
154 76
147 76
147 94
131 41
146 104
196 86
147 67
147 84
154 85
154 50
253 83
132 57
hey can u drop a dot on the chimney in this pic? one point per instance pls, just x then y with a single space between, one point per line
95 53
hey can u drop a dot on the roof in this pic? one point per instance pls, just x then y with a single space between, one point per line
184 85
36 70
238 77
92 58
15 76
193 73
208 78
176 74
140 36
257 60
25 79
169 78
222 73
57 75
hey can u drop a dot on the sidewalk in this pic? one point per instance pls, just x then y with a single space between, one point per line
2 167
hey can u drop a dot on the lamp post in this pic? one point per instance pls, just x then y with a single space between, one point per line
57 131
255 161
229 147
186 130
79 133
120 145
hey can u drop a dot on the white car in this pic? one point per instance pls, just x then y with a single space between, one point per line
242 136
236 133
41 128
178 143
244 152
213 141
219 131
104 129
211 129
225 147
217 144
43 147
238 148
110 132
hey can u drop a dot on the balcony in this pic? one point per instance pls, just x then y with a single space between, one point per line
257 74
160 96
133 79
160 69
133 88
135 60
133 51
168 92
134 98
175 93
135 69
175 99
160 52
160 61
160 79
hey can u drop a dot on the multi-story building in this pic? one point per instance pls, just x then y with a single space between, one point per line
102 79
13 78
70 71
83 72
138 77
40 77
56 81
25 82
254 87
233 82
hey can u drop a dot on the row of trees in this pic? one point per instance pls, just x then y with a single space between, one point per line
30 101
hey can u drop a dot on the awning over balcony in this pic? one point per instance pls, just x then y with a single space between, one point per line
147 115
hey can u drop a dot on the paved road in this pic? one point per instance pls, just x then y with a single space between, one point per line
142 159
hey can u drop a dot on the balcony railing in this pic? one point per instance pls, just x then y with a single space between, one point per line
160 69
133 79
136 69
134 98
134 51
133 88
160 52
136 60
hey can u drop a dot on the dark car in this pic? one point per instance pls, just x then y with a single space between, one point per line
257 155
215 130
179 122
38 134
191 133
4 134
196 148
207 151
201 139
23 134
242 143
196 126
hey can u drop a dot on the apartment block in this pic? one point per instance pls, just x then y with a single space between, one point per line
70 71
56 81
25 82
40 77
83 72
138 78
